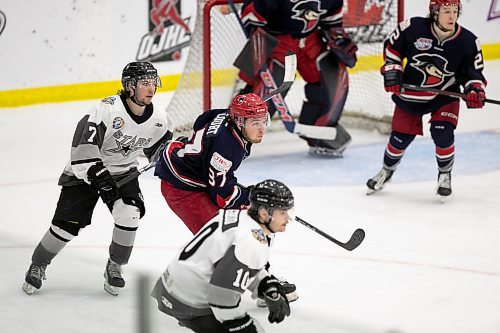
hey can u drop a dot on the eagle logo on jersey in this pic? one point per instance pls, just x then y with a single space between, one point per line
433 68
259 235
309 12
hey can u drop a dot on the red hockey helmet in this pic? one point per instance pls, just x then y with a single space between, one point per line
434 5
247 106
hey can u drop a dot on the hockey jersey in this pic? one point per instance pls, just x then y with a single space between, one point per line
208 161
298 18
431 63
110 133
214 269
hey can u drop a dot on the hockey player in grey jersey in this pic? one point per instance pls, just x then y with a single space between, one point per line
202 286
105 148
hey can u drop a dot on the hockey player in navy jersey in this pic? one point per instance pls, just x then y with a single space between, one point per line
313 31
105 148
203 285
198 175
440 54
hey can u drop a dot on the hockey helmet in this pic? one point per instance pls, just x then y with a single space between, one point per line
247 106
271 194
136 71
434 5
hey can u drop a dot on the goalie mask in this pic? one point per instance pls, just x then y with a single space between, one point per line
134 72
247 106
269 194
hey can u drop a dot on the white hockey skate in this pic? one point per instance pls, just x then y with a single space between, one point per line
113 280
34 277
444 186
377 183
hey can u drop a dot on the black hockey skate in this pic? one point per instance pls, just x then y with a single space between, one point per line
290 292
113 278
34 277
332 148
444 186
378 182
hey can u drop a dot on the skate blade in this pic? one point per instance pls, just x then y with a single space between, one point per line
444 198
28 288
115 291
326 153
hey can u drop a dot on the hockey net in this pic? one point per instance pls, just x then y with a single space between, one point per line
209 79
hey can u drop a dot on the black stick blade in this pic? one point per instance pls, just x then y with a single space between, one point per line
357 237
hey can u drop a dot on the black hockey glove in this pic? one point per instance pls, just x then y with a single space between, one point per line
240 325
271 291
102 181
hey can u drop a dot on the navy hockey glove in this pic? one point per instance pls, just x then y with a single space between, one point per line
271 291
474 96
240 325
393 76
342 46
102 181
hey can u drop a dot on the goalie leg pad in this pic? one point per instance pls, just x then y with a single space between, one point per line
335 83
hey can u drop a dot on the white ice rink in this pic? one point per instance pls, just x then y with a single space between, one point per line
424 267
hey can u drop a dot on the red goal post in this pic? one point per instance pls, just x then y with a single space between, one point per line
210 80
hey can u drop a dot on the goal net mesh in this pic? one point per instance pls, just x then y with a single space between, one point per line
209 79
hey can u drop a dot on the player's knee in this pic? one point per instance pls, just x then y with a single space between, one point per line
401 141
71 227
442 133
126 214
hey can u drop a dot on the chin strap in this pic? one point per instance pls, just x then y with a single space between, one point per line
132 98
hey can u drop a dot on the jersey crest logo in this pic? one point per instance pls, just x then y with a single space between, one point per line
309 12
423 44
126 144
109 100
433 68
259 235
118 123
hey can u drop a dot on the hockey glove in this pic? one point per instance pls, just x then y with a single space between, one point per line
103 182
393 75
271 291
240 325
474 96
342 46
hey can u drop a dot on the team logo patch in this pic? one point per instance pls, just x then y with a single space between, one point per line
433 68
309 12
118 123
108 100
220 163
259 235
423 44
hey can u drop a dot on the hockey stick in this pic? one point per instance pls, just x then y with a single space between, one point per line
444 92
135 174
355 240
308 131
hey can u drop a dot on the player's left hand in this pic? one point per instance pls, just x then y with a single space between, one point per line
474 96
272 292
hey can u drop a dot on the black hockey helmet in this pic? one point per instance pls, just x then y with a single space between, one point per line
136 71
271 194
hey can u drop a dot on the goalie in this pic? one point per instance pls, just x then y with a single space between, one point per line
313 31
